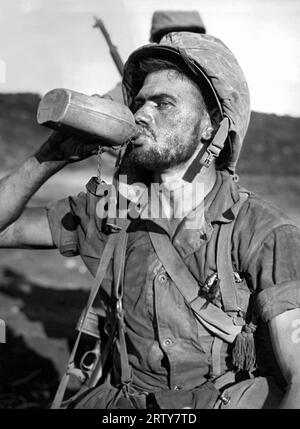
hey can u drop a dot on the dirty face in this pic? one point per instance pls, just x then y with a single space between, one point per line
170 109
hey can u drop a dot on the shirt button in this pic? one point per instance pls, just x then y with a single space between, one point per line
162 278
168 342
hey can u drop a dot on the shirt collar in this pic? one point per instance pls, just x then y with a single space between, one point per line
196 226
220 202
218 207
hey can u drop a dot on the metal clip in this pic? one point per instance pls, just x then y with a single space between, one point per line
225 398
210 282
237 277
89 359
209 157
99 162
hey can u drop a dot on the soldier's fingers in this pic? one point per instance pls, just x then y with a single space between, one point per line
57 137
83 150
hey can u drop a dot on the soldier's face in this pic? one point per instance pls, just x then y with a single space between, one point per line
169 109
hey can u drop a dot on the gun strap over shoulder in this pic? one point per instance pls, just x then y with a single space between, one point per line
211 316
215 319
224 260
107 255
119 263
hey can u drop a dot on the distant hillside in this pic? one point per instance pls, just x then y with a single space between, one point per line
271 146
20 134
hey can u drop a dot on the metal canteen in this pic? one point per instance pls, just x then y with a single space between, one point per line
85 115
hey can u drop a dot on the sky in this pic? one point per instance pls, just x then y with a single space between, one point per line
50 44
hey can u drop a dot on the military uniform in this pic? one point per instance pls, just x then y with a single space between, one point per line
168 348
171 353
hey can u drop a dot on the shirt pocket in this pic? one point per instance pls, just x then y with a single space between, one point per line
243 295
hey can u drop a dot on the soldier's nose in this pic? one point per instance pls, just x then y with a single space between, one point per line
143 116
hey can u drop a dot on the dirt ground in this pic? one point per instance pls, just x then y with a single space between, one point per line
42 295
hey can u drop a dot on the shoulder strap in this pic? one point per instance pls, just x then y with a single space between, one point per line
119 264
224 260
107 255
215 319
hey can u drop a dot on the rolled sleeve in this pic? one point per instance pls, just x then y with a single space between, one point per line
68 220
275 271
274 301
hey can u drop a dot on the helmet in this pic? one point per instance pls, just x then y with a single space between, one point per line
213 63
165 21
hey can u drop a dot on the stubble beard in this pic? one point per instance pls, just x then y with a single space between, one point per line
157 158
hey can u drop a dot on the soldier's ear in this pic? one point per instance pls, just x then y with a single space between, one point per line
211 124
207 133
206 127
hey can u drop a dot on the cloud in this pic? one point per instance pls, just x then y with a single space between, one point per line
46 43
29 6
89 78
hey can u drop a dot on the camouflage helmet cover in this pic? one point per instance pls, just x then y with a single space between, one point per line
210 59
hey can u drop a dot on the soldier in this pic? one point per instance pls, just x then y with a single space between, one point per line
191 300
163 22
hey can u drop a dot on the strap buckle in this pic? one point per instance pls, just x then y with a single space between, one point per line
225 398
207 159
89 359
214 148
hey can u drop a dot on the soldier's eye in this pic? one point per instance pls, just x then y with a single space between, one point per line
163 104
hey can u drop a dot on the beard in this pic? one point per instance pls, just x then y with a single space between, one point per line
174 151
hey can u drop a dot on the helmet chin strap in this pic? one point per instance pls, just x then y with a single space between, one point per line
208 153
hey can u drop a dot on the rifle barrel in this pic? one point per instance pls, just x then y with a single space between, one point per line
112 48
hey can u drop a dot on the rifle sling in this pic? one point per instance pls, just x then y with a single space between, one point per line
101 271
119 263
224 261
214 318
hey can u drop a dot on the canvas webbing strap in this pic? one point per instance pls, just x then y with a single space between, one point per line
211 152
224 260
121 225
119 263
103 265
107 255
216 369
215 319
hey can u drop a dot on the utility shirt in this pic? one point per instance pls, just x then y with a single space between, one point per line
167 347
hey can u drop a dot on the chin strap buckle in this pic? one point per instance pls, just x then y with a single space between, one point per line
207 158
214 148
211 152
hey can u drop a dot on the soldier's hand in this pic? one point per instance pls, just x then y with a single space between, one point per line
62 147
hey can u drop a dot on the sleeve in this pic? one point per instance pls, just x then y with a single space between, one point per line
69 220
275 272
